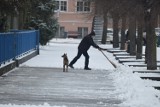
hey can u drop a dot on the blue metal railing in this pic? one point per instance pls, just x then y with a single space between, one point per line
16 43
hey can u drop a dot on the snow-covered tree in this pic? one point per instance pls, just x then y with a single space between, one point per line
31 14
42 18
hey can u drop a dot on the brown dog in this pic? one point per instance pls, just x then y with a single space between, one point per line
65 62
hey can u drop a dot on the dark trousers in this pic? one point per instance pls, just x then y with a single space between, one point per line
79 55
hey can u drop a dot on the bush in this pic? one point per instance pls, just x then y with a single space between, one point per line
47 32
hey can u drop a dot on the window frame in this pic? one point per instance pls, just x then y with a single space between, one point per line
62 5
83 31
83 6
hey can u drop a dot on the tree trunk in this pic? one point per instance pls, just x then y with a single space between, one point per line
21 21
115 31
104 34
132 34
151 57
122 46
12 21
139 39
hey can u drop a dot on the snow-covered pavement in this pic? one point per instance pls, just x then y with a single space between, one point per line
76 88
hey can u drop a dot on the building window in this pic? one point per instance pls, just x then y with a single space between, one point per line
62 32
61 5
83 31
83 6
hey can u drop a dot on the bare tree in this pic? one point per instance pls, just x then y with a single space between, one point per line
102 9
142 12
141 29
151 7
124 7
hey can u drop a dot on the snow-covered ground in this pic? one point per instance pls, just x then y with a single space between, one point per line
135 92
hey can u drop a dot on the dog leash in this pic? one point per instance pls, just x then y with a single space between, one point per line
108 59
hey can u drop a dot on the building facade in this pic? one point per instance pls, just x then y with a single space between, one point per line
74 17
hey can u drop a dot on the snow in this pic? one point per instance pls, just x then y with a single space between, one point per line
44 105
57 47
134 92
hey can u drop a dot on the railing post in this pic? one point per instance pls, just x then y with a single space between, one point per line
14 34
37 40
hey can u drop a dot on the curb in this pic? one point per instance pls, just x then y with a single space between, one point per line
13 64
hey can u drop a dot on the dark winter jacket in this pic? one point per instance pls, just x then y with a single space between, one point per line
86 42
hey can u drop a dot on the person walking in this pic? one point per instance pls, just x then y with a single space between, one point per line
83 47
